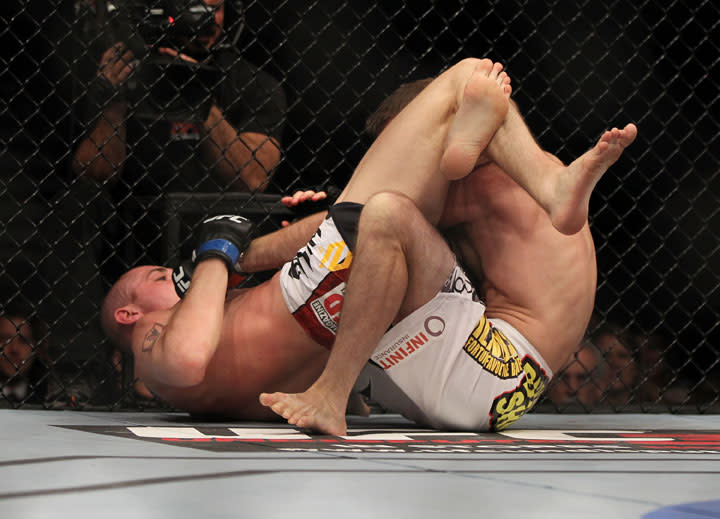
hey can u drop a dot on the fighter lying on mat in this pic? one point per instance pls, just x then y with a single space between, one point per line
206 354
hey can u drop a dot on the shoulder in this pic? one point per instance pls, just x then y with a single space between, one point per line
149 330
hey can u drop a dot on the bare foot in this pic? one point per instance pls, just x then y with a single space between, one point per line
575 184
314 409
482 109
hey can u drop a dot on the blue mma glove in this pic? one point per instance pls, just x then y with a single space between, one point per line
226 237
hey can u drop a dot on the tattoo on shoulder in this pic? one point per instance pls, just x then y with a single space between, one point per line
152 336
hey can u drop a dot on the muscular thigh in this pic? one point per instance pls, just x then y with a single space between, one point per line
405 158
427 256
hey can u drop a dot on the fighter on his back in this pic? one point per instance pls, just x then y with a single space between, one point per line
208 355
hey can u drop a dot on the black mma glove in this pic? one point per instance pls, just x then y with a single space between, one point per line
226 237
181 276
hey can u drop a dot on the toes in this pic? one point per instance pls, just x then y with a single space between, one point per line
484 66
281 409
268 399
628 134
276 398
496 69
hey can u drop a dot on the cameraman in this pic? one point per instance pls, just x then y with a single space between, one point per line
227 138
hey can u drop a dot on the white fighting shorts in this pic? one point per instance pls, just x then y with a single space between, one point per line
313 283
448 366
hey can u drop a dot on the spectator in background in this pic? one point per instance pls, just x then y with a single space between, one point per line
656 374
580 380
46 255
623 374
24 356
214 119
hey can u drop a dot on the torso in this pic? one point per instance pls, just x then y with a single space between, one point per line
262 349
537 279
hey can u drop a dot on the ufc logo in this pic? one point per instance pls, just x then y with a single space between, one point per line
231 217
181 283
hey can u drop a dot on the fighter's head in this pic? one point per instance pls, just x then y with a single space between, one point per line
393 105
138 292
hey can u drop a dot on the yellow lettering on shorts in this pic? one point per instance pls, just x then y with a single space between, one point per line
510 406
333 253
492 350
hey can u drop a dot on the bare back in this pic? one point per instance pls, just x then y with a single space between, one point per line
537 279
262 348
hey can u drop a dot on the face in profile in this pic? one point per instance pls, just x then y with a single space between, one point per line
152 288
17 346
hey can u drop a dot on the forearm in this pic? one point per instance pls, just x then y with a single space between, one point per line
275 249
194 330
102 153
243 160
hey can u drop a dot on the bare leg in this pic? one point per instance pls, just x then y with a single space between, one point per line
406 157
564 192
396 269
481 110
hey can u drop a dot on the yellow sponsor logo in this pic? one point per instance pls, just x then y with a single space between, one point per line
510 406
333 259
492 350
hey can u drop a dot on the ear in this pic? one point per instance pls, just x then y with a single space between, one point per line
128 314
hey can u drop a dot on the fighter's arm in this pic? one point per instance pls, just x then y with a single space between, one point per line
275 249
176 350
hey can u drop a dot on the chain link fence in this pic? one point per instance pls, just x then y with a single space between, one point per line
106 161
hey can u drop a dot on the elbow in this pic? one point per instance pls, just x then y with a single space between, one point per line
189 368
190 371
192 374
253 179
258 184
96 170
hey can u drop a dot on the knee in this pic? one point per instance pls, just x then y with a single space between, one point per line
389 213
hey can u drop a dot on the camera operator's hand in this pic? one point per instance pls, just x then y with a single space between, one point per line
116 64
